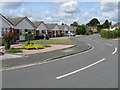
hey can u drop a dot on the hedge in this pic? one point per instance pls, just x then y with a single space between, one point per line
110 34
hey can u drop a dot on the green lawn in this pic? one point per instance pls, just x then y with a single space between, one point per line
56 41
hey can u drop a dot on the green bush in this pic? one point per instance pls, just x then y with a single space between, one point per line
13 50
46 45
31 46
89 32
110 34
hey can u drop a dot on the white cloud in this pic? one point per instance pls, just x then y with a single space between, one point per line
8 13
10 4
69 7
109 6
33 16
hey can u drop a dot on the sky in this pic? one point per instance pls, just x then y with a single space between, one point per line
62 12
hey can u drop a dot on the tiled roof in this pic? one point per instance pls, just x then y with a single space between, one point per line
51 26
16 20
37 23
62 26
71 28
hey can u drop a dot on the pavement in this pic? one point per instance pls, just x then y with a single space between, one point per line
96 68
21 60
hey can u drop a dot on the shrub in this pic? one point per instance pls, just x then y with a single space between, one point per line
13 50
31 46
110 34
8 38
89 32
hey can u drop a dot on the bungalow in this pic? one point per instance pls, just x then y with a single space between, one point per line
54 30
5 26
41 28
71 29
115 27
22 25
93 28
63 29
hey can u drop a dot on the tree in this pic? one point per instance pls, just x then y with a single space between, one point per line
74 24
93 22
62 24
106 24
8 38
81 30
29 35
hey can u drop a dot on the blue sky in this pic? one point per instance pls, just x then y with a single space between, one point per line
58 12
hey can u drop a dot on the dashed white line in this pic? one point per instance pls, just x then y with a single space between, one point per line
96 41
115 51
68 74
108 44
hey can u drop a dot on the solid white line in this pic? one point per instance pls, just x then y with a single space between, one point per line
65 75
108 44
115 51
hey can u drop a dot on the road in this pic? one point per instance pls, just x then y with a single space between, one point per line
97 68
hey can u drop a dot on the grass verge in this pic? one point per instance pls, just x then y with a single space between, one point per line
13 50
66 41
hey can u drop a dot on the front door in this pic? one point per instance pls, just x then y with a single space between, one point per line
22 36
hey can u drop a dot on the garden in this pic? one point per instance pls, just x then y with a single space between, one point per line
34 46
9 38
110 34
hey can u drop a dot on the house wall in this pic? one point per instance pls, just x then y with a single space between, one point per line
65 29
42 28
57 31
24 24
4 25
56 28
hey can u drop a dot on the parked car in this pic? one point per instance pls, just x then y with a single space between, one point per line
42 36
71 34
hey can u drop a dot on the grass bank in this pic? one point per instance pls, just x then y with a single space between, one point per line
56 41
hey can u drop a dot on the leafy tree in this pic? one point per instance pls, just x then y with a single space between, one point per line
100 27
93 22
29 35
63 24
74 24
89 32
81 30
106 24
8 38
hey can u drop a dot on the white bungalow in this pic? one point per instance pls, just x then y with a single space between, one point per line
54 30
71 29
41 28
63 29
22 25
5 26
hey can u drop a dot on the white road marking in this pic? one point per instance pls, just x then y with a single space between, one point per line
96 41
108 44
44 62
68 74
115 51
